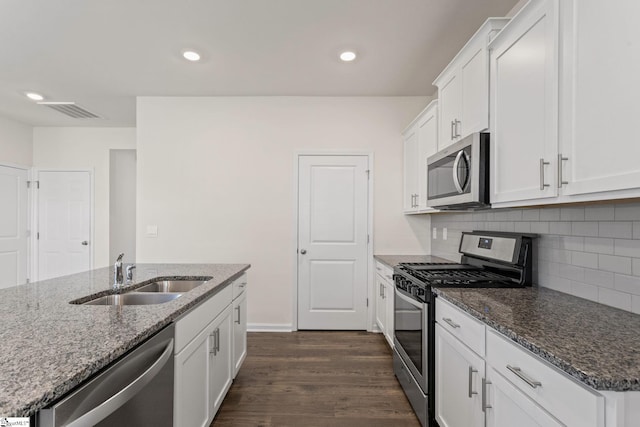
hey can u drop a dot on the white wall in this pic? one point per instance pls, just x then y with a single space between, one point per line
216 175
85 148
16 143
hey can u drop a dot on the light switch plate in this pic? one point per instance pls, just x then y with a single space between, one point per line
444 233
152 231
435 233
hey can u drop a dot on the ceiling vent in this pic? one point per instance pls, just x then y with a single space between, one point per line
70 109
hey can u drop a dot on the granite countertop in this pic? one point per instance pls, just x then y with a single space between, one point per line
596 344
50 346
393 260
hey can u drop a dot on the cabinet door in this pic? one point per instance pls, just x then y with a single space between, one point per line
381 306
239 332
459 373
427 146
600 95
410 170
474 78
191 396
524 105
506 406
220 360
450 101
388 297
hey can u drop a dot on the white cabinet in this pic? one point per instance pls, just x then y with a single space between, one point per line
524 105
203 360
560 123
384 301
463 87
420 142
509 406
220 350
459 374
239 328
562 397
599 97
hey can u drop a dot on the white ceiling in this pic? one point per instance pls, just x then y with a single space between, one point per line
103 53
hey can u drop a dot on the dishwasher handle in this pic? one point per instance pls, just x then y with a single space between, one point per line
110 405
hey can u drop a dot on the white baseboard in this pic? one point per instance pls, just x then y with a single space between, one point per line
269 327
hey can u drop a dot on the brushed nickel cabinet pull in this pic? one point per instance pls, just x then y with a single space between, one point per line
560 160
531 382
485 406
471 372
542 165
451 322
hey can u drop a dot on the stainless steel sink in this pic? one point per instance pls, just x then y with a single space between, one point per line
133 298
171 286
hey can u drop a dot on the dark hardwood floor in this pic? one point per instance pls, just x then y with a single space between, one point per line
316 379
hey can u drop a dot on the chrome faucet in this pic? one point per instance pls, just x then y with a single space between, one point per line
129 271
117 275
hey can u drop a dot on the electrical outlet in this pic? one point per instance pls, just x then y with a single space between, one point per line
435 233
444 233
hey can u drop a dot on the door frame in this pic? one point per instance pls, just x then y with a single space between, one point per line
34 242
296 167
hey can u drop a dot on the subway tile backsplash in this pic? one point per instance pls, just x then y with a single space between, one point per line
590 251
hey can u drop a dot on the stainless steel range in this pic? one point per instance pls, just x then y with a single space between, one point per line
489 259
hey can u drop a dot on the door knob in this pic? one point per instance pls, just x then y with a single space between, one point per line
85 243
303 251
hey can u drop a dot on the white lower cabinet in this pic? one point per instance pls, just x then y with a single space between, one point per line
459 374
239 331
210 346
384 288
507 406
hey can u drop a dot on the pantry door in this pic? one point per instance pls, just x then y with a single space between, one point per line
64 223
333 203
13 226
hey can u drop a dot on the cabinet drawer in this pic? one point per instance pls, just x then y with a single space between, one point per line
461 325
569 401
188 327
239 285
385 271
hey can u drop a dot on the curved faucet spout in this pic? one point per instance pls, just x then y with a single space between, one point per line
117 274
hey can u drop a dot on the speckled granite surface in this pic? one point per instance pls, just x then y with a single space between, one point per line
393 260
594 343
50 346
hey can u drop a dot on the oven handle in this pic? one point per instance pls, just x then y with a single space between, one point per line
403 296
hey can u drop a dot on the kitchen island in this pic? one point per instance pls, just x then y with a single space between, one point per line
50 346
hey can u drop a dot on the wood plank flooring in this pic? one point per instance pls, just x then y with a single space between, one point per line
316 379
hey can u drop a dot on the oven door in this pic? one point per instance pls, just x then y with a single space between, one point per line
410 335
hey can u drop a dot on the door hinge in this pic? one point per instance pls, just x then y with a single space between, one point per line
37 184
368 173
368 239
38 235
367 302
28 281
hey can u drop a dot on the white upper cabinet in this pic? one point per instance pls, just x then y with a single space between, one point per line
420 142
463 87
564 92
524 105
599 97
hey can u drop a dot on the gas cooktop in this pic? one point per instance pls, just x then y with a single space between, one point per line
489 259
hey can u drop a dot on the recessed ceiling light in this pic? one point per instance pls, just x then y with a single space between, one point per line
191 55
348 56
34 96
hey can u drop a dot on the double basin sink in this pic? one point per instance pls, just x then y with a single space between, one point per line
156 292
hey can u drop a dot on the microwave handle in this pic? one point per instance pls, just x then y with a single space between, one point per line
456 163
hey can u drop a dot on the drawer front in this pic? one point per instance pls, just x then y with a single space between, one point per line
569 401
461 325
189 326
239 285
385 271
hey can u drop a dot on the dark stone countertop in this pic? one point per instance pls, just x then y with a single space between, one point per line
50 346
594 343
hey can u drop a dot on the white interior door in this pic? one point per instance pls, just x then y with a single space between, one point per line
13 226
332 242
64 223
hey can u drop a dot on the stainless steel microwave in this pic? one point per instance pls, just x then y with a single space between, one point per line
458 176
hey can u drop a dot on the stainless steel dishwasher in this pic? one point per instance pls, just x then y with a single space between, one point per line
137 390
